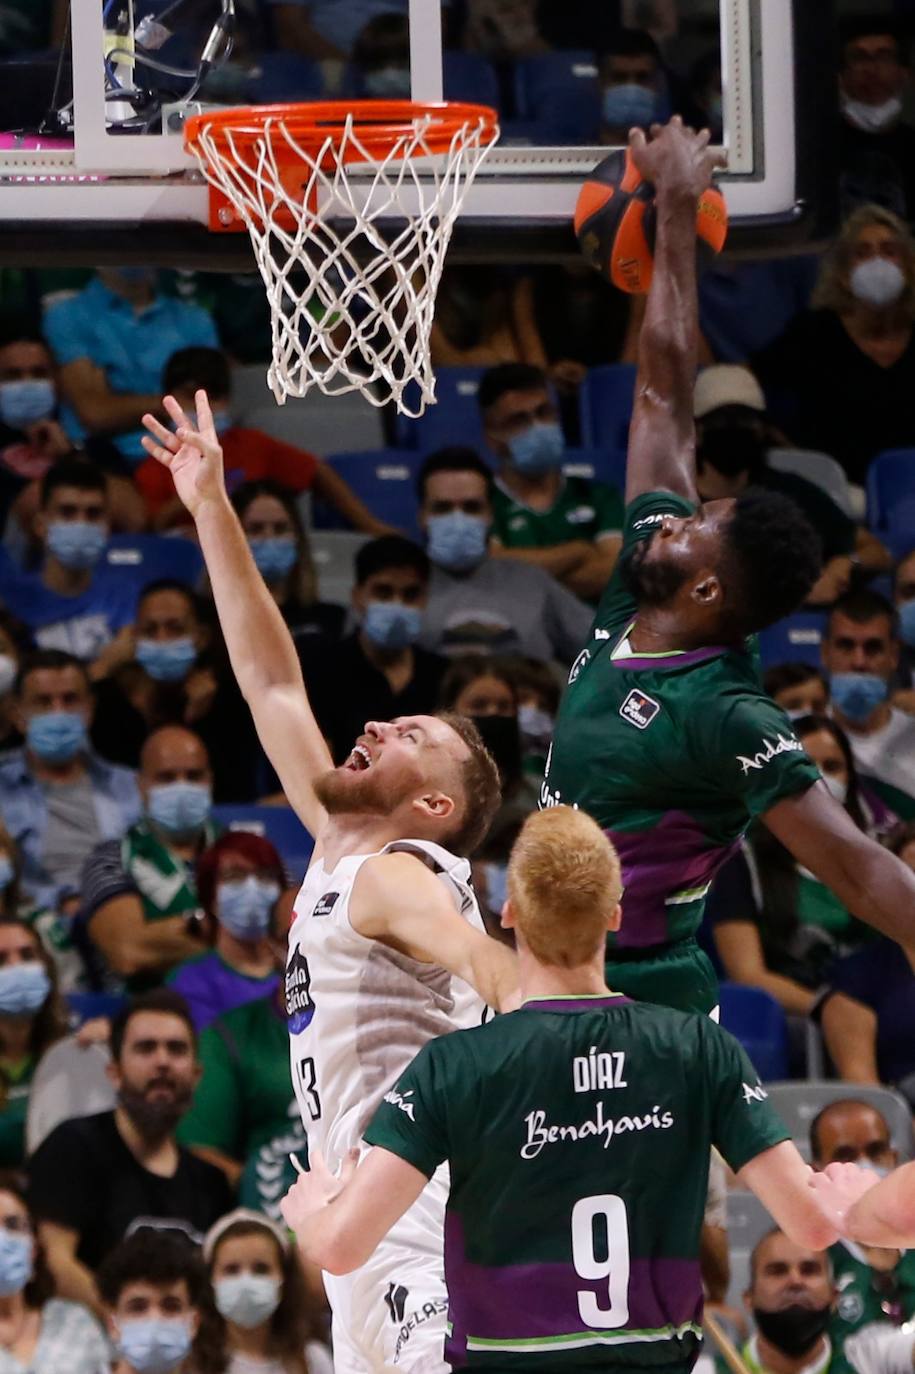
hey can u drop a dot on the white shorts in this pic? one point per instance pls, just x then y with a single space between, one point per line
389 1316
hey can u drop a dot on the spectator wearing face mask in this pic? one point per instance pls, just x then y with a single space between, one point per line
634 87
378 672
111 342
732 438
38 1331
249 455
569 526
271 1321
478 603
31 439
174 671
158 1307
54 928
798 688
876 145
538 692
776 926
58 799
140 905
240 879
860 652
32 1019
74 601
868 1015
841 376
790 1297
873 1285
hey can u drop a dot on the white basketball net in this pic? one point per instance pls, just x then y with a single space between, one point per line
351 306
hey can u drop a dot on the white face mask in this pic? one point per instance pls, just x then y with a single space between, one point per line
837 788
871 119
877 282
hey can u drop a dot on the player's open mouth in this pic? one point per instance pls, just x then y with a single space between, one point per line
359 759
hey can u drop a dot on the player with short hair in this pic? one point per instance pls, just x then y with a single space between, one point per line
577 1132
665 735
387 947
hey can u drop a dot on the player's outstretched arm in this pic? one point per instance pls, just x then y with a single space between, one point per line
260 647
867 1210
781 1180
662 437
400 902
869 881
338 1222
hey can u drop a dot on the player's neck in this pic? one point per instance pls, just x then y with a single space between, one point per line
357 834
660 630
542 980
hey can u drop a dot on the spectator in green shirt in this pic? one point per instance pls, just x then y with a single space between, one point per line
569 526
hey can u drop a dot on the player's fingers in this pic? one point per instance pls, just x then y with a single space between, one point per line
160 432
162 455
704 137
720 158
175 411
204 413
637 139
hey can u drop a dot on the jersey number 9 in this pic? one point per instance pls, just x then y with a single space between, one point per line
615 1268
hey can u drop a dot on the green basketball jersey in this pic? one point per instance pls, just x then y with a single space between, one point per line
578 1132
582 510
865 1295
672 754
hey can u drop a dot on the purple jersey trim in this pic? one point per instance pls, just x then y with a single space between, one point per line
662 662
601 1002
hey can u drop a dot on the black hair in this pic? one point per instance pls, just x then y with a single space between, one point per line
869 26
468 668
72 472
774 556
390 551
817 1121
172 584
496 381
812 724
455 458
864 605
632 43
49 658
784 675
162 1000
42 1285
196 368
19 329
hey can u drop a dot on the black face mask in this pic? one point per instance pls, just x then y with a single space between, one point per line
732 449
793 1330
503 740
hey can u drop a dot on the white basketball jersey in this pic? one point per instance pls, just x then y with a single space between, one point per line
358 1011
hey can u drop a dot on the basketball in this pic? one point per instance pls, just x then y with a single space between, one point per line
615 223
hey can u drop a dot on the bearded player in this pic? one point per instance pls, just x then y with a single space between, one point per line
664 733
387 947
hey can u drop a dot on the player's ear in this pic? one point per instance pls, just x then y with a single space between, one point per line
435 805
616 918
707 592
507 918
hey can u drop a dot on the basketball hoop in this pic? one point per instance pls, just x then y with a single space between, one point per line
350 208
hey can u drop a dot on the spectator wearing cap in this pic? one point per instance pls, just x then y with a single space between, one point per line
569 526
731 438
240 880
58 799
111 342
94 1178
876 144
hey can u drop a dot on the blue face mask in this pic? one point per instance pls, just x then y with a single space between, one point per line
907 623
539 449
16 1261
24 988
245 905
456 541
6 872
391 625
155 1345
22 403
628 106
388 83
857 695
167 660
179 808
77 544
222 420
56 736
274 557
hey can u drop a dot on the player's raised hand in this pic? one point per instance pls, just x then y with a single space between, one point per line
838 1187
676 159
192 453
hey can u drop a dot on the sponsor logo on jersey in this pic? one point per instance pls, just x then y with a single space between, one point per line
757 1094
850 1307
785 744
601 634
299 1006
539 1134
428 1312
325 905
579 663
549 798
396 1299
592 1070
639 709
401 1102
580 515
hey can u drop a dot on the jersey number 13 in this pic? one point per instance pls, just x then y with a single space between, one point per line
611 1210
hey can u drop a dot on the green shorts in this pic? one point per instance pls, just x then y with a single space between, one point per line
679 976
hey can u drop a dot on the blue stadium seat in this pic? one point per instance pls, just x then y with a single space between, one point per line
453 419
469 77
796 639
597 464
278 824
148 557
283 76
561 91
385 479
606 399
890 483
759 1023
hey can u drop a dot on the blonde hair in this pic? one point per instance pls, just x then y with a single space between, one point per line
832 289
564 885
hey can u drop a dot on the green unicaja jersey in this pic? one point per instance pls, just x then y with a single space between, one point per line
865 1295
672 754
582 510
578 1132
